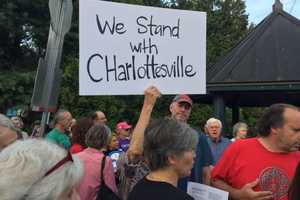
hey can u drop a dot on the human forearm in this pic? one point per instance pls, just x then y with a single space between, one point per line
206 175
233 193
137 139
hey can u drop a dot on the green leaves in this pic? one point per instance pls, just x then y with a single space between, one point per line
15 89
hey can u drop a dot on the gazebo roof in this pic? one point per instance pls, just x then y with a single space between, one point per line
268 56
263 68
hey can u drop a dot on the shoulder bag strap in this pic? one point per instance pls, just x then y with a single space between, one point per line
102 169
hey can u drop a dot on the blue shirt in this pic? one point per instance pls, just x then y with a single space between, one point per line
217 148
114 155
124 144
203 158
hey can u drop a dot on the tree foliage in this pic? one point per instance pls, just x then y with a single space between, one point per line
15 89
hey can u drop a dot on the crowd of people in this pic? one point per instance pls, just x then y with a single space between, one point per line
155 159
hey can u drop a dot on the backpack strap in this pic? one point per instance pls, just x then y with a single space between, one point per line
102 169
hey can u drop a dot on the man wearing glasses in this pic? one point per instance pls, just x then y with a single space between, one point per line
99 117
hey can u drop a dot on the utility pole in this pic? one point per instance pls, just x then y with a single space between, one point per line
48 77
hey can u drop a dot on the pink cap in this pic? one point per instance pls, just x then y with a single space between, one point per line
123 125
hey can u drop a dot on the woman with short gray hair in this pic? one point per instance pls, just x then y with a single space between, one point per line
92 157
239 131
38 170
169 148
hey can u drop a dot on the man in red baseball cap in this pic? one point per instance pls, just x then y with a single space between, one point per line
181 107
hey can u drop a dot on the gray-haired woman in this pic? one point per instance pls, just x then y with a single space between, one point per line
239 131
169 149
91 157
38 170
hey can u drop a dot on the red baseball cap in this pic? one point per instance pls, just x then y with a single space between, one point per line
183 98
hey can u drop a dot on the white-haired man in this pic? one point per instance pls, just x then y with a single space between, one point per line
216 141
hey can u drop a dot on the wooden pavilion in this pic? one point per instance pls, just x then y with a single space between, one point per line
262 69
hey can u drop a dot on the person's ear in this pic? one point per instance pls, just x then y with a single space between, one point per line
274 130
171 107
172 159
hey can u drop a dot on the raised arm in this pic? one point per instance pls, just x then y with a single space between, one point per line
137 140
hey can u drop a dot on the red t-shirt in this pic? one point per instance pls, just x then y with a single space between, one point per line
246 160
76 148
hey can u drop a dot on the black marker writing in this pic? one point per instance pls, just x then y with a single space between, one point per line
114 27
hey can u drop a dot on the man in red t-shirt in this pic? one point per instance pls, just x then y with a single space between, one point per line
263 167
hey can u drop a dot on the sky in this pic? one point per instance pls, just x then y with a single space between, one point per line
259 9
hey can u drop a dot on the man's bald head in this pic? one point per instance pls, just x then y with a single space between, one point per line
99 117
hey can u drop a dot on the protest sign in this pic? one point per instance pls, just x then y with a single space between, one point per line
125 48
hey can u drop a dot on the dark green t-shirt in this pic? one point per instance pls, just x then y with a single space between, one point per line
59 138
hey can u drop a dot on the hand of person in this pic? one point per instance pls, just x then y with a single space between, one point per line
151 94
247 192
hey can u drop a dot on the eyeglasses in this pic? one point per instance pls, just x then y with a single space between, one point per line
60 163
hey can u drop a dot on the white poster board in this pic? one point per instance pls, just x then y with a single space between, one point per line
125 48
204 192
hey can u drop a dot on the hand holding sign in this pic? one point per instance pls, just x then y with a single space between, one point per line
151 94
